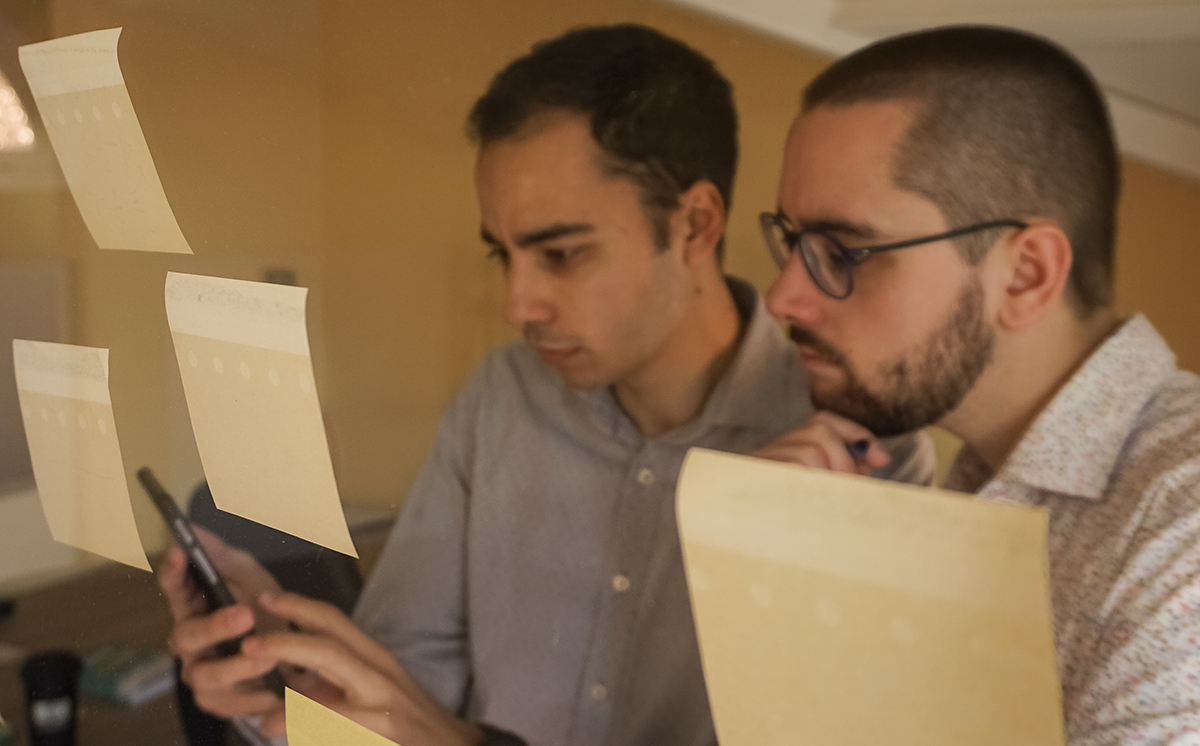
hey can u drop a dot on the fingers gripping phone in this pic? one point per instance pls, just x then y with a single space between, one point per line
200 567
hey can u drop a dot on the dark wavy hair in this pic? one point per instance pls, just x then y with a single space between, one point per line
659 110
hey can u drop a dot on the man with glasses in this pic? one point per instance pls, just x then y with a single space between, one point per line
534 581
944 232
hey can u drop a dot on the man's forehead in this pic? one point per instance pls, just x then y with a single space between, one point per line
861 131
843 147
838 166
528 198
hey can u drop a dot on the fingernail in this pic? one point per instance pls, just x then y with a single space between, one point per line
266 597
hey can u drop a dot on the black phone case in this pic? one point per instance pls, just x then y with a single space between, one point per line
200 567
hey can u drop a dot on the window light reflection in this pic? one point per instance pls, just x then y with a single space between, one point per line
15 132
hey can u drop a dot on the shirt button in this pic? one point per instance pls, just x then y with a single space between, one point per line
598 692
620 583
645 476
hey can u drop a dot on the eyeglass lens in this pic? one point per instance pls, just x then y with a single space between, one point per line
826 264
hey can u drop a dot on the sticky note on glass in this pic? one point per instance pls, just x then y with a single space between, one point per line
72 438
841 610
310 723
243 355
78 87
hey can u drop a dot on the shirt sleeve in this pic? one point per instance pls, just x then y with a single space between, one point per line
413 603
913 459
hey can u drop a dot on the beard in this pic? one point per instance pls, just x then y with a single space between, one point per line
924 384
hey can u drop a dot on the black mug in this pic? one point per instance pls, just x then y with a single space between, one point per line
52 697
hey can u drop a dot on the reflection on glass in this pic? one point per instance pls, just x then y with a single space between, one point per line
15 132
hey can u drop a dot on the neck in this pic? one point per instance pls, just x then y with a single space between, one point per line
1029 368
671 390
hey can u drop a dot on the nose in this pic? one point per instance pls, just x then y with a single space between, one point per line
794 296
527 295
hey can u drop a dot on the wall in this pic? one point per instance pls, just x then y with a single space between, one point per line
230 107
1158 255
328 137
411 301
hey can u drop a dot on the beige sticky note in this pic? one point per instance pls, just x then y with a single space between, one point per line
80 92
845 611
310 723
243 355
72 438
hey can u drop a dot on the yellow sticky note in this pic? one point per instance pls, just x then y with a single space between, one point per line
78 87
243 356
72 438
312 724
846 611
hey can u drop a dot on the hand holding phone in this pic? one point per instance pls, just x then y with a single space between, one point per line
200 567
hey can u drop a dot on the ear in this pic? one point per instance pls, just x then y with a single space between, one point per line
1037 265
699 222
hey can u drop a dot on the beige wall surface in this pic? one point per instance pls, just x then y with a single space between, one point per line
230 108
327 137
410 294
1158 255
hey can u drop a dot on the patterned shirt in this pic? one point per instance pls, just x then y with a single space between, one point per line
534 580
1115 457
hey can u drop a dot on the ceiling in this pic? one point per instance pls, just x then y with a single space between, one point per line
1145 53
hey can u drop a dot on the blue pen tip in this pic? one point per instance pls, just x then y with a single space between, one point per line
859 448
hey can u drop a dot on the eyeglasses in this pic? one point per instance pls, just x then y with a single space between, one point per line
829 263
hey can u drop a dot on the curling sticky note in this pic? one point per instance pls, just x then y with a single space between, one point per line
310 723
72 438
846 611
243 356
80 93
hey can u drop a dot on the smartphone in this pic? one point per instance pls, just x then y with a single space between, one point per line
200 566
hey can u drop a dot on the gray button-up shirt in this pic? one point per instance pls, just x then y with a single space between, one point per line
534 580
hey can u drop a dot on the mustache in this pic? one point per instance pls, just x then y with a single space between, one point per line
802 336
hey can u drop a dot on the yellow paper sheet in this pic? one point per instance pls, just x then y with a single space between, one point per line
72 438
312 724
80 92
844 611
243 355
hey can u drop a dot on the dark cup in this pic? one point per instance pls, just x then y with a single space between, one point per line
51 695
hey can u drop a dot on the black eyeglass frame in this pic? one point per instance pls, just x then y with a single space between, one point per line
768 221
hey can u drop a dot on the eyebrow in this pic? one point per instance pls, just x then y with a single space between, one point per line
833 225
541 235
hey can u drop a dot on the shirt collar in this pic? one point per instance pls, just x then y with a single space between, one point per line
764 385
1073 446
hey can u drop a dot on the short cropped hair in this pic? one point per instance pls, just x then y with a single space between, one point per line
659 110
1008 125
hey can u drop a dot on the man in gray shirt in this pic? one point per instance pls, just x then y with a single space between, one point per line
534 581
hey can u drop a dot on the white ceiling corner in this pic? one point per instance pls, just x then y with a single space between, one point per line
1145 53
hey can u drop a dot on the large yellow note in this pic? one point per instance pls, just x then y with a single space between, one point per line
838 610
